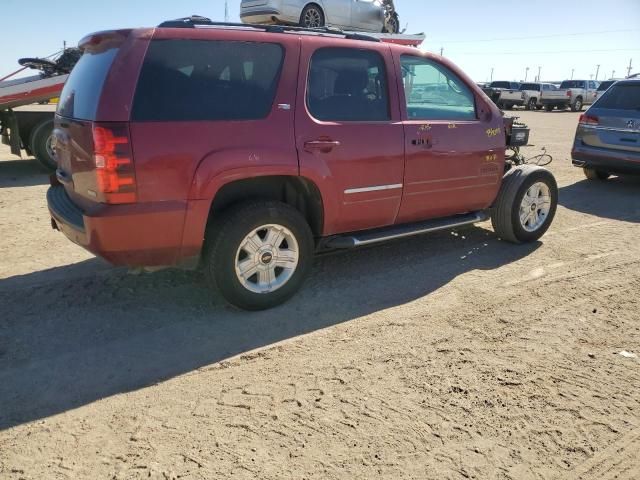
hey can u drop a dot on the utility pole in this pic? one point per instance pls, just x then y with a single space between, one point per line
613 74
491 80
539 68
597 72
629 69
526 73
226 11
441 50
572 70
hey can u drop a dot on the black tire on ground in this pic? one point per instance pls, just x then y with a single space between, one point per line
548 108
40 144
594 174
505 216
577 105
531 104
312 17
538 107
224 238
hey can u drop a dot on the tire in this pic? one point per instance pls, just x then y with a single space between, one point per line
577 105
594 174
223 254
40 144
531 104
391 24
538 107
548 108
312 17
507 213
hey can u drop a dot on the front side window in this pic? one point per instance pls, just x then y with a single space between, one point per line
433 92
347 85
189 80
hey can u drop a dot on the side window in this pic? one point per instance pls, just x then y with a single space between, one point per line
433 92
348 85
188 80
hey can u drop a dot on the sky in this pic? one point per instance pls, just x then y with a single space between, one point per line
506 36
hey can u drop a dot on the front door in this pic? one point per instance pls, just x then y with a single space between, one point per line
454 160
350 140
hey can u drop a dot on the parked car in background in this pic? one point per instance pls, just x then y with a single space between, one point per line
607 140
356 15
245 151
495 89
528 95
572 94
603 87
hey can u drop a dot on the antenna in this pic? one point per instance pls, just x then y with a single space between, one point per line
226 10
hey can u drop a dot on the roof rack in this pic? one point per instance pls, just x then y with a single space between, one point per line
198 21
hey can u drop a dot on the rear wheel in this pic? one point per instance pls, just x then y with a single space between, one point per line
258 254
526 204
595 174
312 17
577 106
41 144
531 105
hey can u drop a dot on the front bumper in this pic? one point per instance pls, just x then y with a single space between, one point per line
613 161
141 234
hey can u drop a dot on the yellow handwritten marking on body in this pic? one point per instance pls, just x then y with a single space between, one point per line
424 128
492 132
491 157
452 125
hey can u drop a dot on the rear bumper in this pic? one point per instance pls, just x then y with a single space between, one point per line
142 234
555 101
260 15
507 101
613 161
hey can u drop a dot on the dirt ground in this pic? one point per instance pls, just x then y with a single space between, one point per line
447 356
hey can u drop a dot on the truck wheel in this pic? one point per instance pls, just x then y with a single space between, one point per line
577 106
548 108
526 204
531 105
391 23
40 144
594 174
258 254
312 17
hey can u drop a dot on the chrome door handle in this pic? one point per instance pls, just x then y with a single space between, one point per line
325 146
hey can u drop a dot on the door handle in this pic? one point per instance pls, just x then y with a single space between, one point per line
422 142
324 146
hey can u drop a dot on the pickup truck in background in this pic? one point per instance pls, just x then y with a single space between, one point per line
572 93
495 89
528 95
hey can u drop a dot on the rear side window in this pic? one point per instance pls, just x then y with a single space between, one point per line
188 80
81 93
348 85
433 92
621 97
571 84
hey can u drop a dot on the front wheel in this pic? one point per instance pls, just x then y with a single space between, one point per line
312 17
258 254
595 174
391 23
526 204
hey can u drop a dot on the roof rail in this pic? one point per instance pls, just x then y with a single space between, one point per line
198 21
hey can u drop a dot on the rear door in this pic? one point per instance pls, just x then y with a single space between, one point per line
618 119
454 160
350 140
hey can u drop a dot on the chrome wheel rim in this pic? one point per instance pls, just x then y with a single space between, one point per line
312 18
267 258
535 206
49 147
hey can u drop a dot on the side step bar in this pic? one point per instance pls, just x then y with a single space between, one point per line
359 239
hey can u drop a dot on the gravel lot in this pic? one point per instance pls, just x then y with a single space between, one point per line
447 356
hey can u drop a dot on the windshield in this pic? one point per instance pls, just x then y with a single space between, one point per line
621 97
530 86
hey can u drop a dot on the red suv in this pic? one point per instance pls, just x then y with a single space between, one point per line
245 149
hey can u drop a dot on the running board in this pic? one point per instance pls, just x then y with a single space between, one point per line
400 231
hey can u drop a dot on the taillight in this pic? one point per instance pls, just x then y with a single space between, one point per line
115 175
569 93
522 95
586 119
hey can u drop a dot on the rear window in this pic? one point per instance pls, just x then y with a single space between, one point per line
183 80
621 97
530 86
500 85
572 84
81 93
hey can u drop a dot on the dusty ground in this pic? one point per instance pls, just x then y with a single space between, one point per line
445 356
